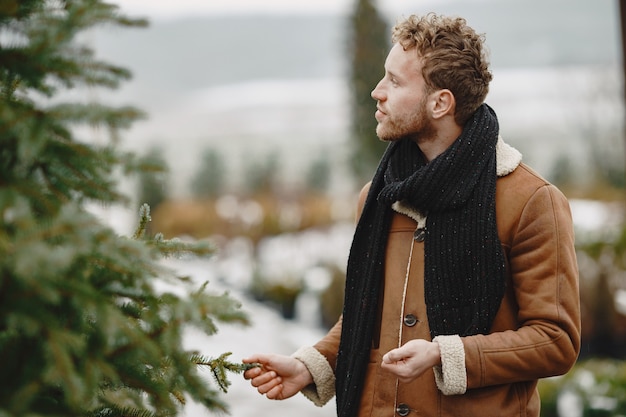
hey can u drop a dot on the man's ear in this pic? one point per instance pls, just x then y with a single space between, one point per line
443 104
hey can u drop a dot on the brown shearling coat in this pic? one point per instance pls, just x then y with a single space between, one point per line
536 332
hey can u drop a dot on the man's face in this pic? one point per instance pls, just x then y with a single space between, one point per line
401 96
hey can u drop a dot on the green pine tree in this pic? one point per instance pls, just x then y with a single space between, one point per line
153 178
318 175
83 331
368 48
208 182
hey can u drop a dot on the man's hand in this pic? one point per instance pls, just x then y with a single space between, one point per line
412 359
279 377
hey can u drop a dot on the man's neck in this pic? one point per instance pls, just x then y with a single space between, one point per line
435 145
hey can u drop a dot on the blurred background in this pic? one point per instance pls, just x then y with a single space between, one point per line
261 113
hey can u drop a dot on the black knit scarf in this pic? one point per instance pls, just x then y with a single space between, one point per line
464 264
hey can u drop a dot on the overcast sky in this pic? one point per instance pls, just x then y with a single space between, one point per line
167 9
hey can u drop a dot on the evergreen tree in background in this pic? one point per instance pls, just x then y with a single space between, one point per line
209 180
368 48
262 173
318 175
153 178
83 331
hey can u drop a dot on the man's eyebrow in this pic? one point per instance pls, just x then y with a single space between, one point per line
392 74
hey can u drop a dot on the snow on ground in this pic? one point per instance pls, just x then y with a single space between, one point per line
268 333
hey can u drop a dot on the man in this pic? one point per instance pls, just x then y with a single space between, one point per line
462 281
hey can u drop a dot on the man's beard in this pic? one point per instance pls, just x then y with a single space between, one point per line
416 127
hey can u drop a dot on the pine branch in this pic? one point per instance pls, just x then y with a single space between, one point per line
170 247
219 367
113 411
144 219
96 115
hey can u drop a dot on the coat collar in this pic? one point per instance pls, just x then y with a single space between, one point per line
507 159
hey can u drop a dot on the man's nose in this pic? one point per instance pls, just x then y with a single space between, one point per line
377 93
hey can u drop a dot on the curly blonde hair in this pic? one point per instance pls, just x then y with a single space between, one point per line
453 57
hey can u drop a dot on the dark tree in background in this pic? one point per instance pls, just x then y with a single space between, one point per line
83 329
368 47
318 175
153 179
208 182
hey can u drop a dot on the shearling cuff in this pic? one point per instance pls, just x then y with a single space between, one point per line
323 388
451 377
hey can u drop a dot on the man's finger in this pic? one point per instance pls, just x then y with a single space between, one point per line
275 393
393 356
252 373
263 378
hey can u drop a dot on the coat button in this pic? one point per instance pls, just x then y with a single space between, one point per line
410 320
403 410
420 234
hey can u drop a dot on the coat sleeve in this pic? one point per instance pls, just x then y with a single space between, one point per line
544 277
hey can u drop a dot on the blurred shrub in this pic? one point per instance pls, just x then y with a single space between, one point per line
602 265
282 295
549 393
259 215
331 299
593 388
282 292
